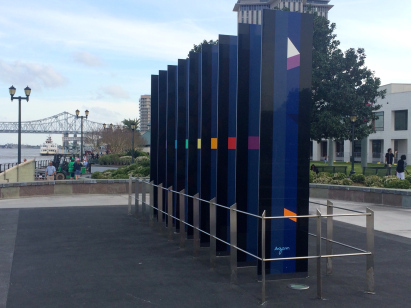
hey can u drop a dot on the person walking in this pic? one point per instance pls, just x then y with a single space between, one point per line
401 168
50 172
77 168
389 159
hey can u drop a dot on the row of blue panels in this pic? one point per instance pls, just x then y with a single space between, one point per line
232 123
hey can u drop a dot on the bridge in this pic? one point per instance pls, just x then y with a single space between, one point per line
62 123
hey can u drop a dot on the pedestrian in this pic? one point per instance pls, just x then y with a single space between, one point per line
325 159
314 168
70 168
389 159
50 172
77 168
402 168
85 162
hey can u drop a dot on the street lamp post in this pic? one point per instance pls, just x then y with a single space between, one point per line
133 127
81 117
353 118
12 91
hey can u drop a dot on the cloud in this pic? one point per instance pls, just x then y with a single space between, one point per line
87 59
115 91
35 75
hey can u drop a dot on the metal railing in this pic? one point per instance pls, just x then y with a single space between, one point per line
144 211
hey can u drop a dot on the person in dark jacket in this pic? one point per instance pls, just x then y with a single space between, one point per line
77 168
389 160
402 168
314 168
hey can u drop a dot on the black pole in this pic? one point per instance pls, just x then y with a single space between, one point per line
19 138
132 151
81 145
352 163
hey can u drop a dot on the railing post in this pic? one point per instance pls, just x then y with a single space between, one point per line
159 202
370 248
319 278
148 209
213 233
143 193
182 220
130 181
263 230
170 213
136 197
233 240
330 236
196 223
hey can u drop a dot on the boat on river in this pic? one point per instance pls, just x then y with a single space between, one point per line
48 147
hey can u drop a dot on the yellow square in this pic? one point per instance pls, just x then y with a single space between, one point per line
198 143
214 143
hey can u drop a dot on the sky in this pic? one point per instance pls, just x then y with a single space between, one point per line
100 54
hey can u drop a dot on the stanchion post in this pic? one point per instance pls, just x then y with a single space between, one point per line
130 181
213 233
319 278
330 236
183 220
263 230
196 220
233 240
149 208
159 202
136 197
370 248
170 213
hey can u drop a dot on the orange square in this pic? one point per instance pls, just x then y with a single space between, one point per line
214 143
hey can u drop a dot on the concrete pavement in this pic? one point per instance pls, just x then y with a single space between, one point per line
85 251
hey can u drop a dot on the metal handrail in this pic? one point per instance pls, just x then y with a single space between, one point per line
329 239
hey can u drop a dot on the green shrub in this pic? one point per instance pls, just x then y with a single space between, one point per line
408 178
339 176
313 176
397 183
373 181
347 182
336 182
324 174
322 180
357 178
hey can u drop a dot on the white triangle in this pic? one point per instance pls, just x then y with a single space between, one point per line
291 50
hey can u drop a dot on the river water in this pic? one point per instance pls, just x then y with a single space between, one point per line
10 155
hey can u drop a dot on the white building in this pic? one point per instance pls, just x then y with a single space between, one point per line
249 11
145 112
392 131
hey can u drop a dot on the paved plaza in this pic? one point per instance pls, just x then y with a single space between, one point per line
83 251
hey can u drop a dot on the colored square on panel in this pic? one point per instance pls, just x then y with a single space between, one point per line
253 143
175 144
186 143
214 143
289 213
198 143
293 62
232 143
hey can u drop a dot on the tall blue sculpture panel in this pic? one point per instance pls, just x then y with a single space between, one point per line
162 133
283 110
181 108
226 143
154 134
208 134
171 128
193 120
248 139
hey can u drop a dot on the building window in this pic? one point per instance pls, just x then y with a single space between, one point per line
401 120
379 121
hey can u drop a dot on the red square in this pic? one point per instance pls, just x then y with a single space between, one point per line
232 143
